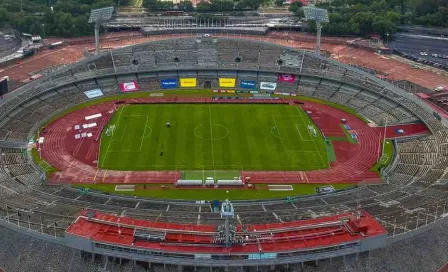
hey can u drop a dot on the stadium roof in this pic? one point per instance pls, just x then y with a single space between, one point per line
275 237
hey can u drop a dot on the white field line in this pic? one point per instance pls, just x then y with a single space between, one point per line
211 140
124 132
143 136
278 133
230 167
297 127
300 134
108 146
314 142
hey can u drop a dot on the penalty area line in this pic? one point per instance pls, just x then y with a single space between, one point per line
278 133
112 136
143 135
314 142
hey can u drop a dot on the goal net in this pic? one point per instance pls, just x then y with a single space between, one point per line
110 130
312 130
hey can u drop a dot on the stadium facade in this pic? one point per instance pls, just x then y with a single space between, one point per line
412 199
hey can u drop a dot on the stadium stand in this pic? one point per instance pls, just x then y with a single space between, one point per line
412 200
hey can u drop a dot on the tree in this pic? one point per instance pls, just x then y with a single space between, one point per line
383 26
296 8
150 4
203 6
250 4
3 15
365 20
186 6
221 5
279 3
163 5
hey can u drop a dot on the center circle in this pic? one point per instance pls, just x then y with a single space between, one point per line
214 133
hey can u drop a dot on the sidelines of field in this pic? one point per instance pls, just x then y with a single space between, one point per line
220 167
211 140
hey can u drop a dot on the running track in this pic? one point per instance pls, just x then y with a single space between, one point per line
77 158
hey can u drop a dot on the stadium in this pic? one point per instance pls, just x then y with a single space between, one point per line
217 154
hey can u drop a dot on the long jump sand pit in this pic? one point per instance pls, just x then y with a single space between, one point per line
280 187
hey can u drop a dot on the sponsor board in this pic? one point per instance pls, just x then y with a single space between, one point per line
188 82
279 93
168 83
230 91
254 92
227 82
270 86
286 78
286 93
247 84
129 86
93 93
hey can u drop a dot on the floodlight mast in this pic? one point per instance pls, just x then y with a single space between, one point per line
319 16
99 16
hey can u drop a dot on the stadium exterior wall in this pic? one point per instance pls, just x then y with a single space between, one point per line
412 233
140 254
33 233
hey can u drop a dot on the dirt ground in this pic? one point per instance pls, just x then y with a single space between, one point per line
395 68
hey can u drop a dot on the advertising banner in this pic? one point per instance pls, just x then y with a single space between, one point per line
247 84
270 86
129 86
254 92
227 82
188 82
93 93
230 91
168 83
286 78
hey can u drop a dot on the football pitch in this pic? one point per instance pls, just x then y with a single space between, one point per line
212 137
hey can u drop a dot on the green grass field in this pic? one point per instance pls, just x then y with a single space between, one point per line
211 194
212 137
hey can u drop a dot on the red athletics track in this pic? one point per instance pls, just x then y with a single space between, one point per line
77 158
408 130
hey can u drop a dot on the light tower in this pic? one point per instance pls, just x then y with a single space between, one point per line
319 16
99 16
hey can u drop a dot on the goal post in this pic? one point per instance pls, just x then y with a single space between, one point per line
110 130
312 130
